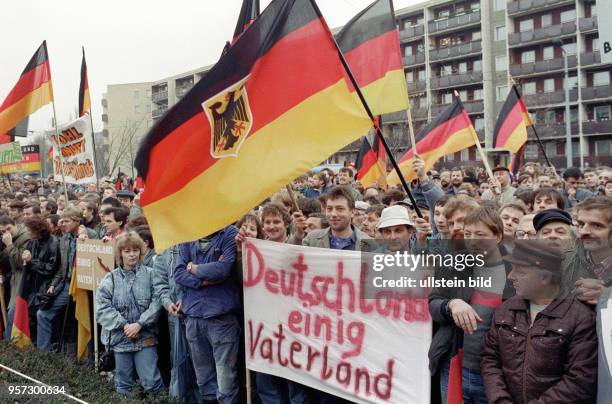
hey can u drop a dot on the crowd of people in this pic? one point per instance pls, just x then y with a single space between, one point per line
531 337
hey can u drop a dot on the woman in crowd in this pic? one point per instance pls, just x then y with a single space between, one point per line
128 309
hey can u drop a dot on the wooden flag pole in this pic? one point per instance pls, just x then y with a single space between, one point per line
411 130
349 73
249 387
3 308
59 150
292 197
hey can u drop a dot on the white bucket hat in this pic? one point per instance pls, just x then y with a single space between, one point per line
394 216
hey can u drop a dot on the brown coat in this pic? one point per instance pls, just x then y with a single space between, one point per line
554 361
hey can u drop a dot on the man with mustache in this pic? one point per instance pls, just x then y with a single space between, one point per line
588 267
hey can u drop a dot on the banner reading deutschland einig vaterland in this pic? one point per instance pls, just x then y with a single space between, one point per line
76 143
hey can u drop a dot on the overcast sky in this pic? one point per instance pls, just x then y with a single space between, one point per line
125 41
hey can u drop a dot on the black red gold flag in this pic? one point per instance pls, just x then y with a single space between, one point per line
20 332
371 162
511 127
32 91
84 98
275 105
370 44
450 132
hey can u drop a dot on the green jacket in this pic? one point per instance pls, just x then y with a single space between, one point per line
14 251
576 265
320 239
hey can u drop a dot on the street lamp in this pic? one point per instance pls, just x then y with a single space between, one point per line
568 124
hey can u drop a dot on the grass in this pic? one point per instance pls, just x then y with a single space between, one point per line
56 369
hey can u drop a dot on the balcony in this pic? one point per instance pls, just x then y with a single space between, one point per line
182 90
104 103
531 6
554 31
590 58
554 129
418 114
464 49
413 32
597 128
159 96
417 86
454 22
417 59
588 23
456 80
105 118
553 97
595 93
542 66
474 107
156 113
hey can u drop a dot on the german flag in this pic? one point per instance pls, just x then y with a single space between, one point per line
450 132
371 163
248 13
511 126
518 160
81 313
84 99
32 91
20 333
370 44
275 105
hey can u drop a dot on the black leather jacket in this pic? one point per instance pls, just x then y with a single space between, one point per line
43 266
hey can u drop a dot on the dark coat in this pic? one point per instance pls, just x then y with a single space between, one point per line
43 266
553 361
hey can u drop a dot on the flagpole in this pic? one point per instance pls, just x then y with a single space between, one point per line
370 115
411 130
59 150
93 132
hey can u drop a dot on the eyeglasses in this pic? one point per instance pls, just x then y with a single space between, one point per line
524 234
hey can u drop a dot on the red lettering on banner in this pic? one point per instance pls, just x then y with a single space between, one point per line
271 279
312 355
359 374
251 279
384 392
295 347
295 317
346 380
253 344
326 372
280 337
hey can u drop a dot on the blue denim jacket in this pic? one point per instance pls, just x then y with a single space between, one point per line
131 299
163 277
214 265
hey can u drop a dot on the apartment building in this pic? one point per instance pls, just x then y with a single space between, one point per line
478 48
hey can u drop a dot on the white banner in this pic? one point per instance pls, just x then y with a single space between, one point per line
305 321
76 141
604 24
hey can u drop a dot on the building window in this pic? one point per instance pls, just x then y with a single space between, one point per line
501 93
549 53
447 98
444 13
595 44
407 51
568 15
500 33
528 56
602 113
475 6
478 94
526 25
550 117
602 147
593 9
137 109
572 82
476 36
601 78
531 151
465 154
546 20
576 149
500 5
410 77
501 63
551 149
529 87
136 94
446 70
549 85
148 93
479 124
463 95
463 67
477 65
421 75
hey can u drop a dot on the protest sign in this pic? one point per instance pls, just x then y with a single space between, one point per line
10 153
305 321
95 259
29 162
76 143
605 29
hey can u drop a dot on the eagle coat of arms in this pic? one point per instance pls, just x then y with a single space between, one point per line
231 120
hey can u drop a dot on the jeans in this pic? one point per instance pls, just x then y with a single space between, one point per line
472 387
145 363
213 343
44 326
270 390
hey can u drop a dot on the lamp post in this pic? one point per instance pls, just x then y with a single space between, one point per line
568 124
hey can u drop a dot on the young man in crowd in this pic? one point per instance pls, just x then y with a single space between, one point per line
547 198
572 192
15 208
31 210
505 192
210 303
316 185
372 215
591 180
511 214
345 179
114 221
542 347
126 197
456 179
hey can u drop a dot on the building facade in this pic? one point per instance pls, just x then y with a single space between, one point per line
478 48
126 118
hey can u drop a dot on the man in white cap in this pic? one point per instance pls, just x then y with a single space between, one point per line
396 228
